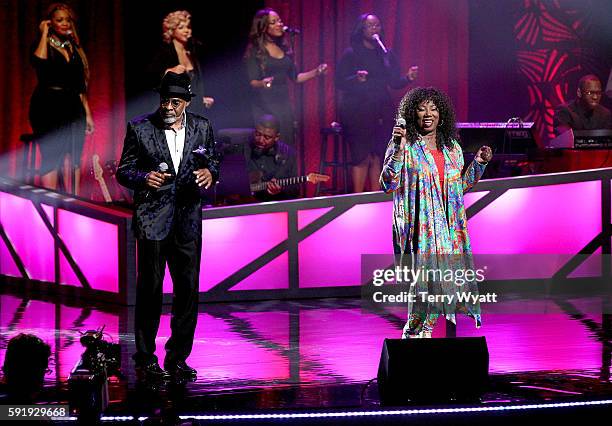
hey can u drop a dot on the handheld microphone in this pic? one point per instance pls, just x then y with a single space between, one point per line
400 122
380 43
70 36
289 30
161 168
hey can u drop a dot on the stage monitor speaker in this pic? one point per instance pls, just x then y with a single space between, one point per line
433 370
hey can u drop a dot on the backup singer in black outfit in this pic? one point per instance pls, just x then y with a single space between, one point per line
364 74
180 53
59 111
270 66
168 218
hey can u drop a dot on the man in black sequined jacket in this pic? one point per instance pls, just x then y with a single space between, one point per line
167 157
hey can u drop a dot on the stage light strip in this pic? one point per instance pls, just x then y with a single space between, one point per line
395 412
368 413
120 418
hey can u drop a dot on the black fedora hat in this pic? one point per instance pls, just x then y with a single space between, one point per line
175 85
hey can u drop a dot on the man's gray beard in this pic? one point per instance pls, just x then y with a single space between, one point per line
169 119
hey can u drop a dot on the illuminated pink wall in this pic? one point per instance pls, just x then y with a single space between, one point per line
92 243
332 255
546 219
551 219
230 243
29 236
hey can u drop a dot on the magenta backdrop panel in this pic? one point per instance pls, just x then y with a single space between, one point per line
470 198
332 255
305 217
93 245
591 267
29 236
228 244
547 219
273 275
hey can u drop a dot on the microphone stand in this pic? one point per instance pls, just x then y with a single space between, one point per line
73 169
297 140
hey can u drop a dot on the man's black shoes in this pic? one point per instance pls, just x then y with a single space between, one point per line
181 369
152 371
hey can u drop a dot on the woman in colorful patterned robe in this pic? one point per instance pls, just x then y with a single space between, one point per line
423 168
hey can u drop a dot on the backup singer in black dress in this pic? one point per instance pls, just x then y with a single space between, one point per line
59 111
168 218
180 53
364 74
270 66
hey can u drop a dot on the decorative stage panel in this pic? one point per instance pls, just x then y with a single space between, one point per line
296 249
59 244
331 256
547 219
565 213
24 232
83 236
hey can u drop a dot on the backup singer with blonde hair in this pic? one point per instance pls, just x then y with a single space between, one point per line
180 53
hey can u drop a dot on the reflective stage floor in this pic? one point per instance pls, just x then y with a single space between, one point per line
317 355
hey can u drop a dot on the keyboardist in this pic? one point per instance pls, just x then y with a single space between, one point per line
584 112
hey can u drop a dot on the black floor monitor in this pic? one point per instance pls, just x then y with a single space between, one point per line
233 186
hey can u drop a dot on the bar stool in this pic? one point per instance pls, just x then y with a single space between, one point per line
29 169
338 163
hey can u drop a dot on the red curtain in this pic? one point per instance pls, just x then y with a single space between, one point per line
100 25
433 35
